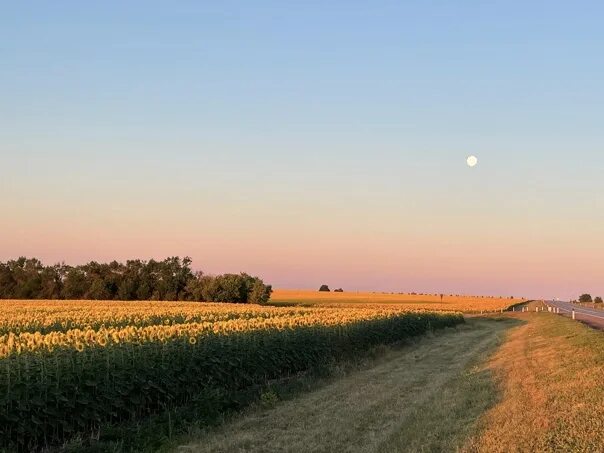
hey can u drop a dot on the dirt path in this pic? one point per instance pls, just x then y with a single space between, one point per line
423 397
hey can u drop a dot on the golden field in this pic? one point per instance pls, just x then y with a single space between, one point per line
48 325
432 302
31 325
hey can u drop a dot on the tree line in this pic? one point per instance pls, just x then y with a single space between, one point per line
586 298
171 279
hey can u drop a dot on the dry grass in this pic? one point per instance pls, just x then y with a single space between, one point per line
408 301
425 396
550 374
592 305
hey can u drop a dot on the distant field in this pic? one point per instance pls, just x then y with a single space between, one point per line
410 301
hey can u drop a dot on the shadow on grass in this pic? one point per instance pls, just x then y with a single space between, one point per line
451 416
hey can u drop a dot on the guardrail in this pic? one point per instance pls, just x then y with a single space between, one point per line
573 312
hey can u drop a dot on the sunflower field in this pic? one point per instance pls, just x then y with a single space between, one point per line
75 368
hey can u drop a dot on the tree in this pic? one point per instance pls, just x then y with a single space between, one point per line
170 279
339 290
225 288
598 300
7 282
146 281
52 281
27 276
260 293
585 298
238 288
98 290
194 289
324 288
75 285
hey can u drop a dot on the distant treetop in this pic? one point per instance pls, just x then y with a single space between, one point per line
324 288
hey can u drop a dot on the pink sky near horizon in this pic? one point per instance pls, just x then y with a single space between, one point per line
387 253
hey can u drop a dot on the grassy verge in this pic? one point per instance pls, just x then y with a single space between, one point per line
426 396
549 372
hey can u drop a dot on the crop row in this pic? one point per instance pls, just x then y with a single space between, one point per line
60 316
172 325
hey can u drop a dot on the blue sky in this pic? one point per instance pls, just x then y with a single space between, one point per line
199 128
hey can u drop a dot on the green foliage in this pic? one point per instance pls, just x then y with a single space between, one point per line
224 288
171 279
269 398
598 300
324 288
75 284
585 298
260 293
241 288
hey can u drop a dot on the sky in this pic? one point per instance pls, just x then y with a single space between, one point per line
310 142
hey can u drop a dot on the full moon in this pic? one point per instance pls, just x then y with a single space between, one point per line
472 161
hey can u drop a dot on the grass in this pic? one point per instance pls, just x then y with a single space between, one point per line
409 301
549 372
591 305
424 396
522 382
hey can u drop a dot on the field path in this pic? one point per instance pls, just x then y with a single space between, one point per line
425 396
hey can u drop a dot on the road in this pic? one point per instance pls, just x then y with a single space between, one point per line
590 316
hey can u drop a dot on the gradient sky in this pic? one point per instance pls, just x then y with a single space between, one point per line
310 142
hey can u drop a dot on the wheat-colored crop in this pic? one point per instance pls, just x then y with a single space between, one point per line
432 302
